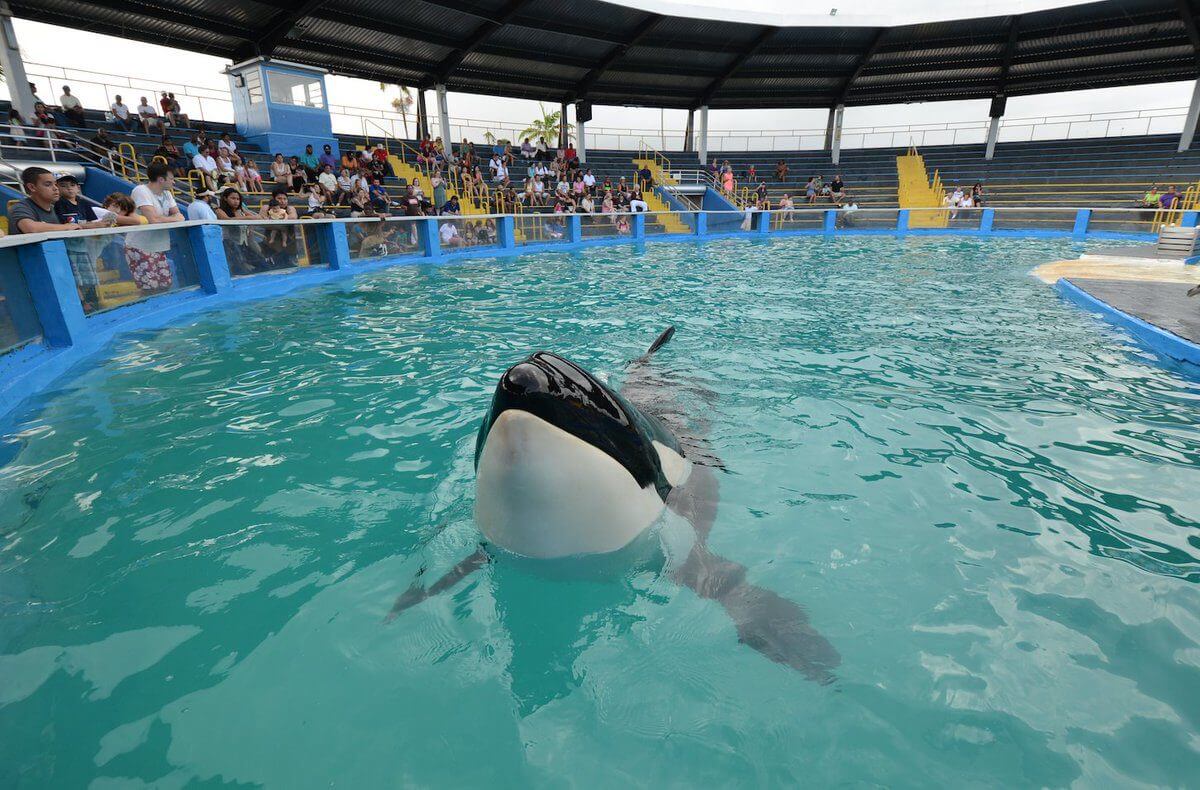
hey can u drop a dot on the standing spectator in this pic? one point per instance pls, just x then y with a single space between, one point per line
146 252
201 205
79 252
207 165
121 117
72 108
35 213
149 117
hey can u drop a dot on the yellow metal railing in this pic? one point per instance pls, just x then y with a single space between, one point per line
127 162
1169 217
915 190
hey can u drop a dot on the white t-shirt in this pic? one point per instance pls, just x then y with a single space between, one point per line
501 172
151 240
448 232
329 181
957 196
204 163
146 109
120 110
589 180
228 145
199 209
68 102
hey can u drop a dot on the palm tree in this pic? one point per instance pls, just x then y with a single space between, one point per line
546 126
401 103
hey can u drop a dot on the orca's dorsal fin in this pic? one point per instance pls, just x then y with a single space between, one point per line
661 341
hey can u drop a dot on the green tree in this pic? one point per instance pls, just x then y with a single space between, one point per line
546 126
401 103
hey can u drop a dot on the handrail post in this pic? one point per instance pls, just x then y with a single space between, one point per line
830 225
1081 222
48 274
208 251
334 245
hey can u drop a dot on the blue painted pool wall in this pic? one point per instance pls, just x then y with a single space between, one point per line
1159 340
69 335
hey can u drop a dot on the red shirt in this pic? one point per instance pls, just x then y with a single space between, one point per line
380 154
165 103
569 154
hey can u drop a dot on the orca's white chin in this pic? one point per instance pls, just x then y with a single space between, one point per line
542 492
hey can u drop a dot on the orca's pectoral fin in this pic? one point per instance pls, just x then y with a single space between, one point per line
1194 290
417 593
766 621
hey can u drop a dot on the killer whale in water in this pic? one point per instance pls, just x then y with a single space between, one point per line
566 466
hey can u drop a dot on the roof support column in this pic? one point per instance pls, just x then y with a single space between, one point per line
14 67
829 130
835 132
688 133
444 120
995 114
704 135
1189 122
581 144
563 137
422 115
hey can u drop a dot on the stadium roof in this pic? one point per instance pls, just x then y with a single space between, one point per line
567 50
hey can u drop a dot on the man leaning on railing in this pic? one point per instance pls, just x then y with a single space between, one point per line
36 214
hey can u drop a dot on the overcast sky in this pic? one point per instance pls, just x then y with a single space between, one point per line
150 65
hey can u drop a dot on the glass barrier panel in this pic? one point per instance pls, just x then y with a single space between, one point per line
373 239
730 221
467 232
673 222
1128 221
598 226
866 219
1039 219
539 228
18 321
115 269
783 219
271 246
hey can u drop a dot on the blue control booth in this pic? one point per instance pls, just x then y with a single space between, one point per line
281 106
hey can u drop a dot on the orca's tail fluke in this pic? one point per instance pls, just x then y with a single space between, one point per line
661 341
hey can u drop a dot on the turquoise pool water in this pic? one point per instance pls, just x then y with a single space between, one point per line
985 498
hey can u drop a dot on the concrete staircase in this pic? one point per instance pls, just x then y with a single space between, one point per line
916 191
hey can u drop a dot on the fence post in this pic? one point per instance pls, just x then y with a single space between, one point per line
830 220
986 220
763 222
506 231
574 228
701 223
208 251
334 246
902 221
639 225
1081 222
430 243
48 274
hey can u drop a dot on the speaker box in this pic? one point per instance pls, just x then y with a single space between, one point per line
583 111
998 103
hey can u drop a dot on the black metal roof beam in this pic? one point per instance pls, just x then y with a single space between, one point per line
219 25
844 91
262 42
615 54
737 63
1188 14
1010 49
409 32
481 34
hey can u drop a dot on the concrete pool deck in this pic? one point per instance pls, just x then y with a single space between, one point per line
1145 295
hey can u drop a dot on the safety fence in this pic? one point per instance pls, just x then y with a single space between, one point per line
54 287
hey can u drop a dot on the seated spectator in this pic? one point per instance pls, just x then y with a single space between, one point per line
225 167
201 206
148 117
646 177
329 181
527 149
752 174
16 134
589 181
44 118
500 173
278 243
448 234
103 145
636 203
207 165
360 202
587 205
760 192
229 147
1170 198
173 113
810 191
191 147
570 156
541 150
168 152
122 119
123 210
451 206
350 161
381 201
232 205
297 175
72 108
380 163
312 166
318 202
837 188
412 203
1151 198
425 152
977 194
781 171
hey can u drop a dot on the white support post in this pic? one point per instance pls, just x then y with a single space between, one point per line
704 135
1189 123
444 118
836 137
581 143
992 135
14 67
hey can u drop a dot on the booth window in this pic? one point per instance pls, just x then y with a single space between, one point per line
254 87
295 89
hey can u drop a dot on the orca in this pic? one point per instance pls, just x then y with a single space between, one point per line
568 467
